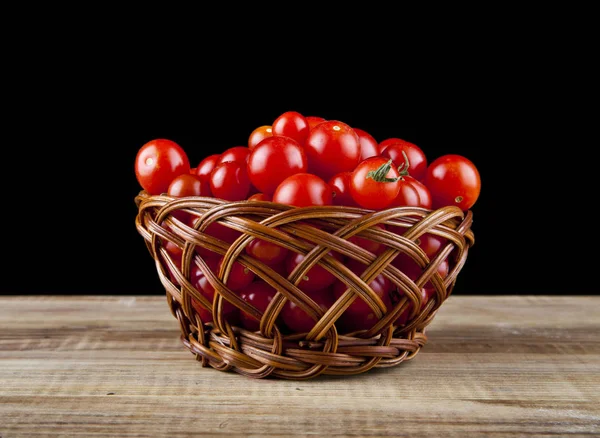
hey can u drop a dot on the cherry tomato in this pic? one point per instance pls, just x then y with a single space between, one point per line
291 124
409 267
297 320
443 270
417 161
172 249
453 179
230 312
198 277
218 231
274 159
388 141
187 185
317 278
280 268
395 298
238 154
229 181
159 161
374 183
314 121
359 315
422 190
332 147
176 258
368 244
303 190
258 134
259 294
408 195
267 252
340 184
259 197
368 145
200 282
239 276
431 244
206 166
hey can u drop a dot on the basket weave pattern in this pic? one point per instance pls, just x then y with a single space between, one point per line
314 232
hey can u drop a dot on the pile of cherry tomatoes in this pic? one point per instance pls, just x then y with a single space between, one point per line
305 161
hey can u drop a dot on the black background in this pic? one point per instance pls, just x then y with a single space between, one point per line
78 121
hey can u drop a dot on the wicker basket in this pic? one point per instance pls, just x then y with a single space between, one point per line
314 232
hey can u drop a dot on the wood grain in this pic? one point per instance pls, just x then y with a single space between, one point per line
114 366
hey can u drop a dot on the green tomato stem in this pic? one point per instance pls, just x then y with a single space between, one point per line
380 175
403 168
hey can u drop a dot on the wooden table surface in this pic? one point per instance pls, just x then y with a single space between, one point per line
115 366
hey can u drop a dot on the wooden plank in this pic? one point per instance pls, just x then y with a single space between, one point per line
497 366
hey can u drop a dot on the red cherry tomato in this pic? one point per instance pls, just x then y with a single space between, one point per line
453 179
368 145
175 253
409 267
176 258
258 134
239 276
206 166
156 164
172 249
408 195
218 231
443 270
431 244
332 147
259 197
317 278
259 294
200 282
359 315
314 121
297 320
187 185
303 190
274 159
280 268
229 181
393 148
236 153
374 183
412 192
396 296
198 277
291 124
368 244
267 252
340 185
422 190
